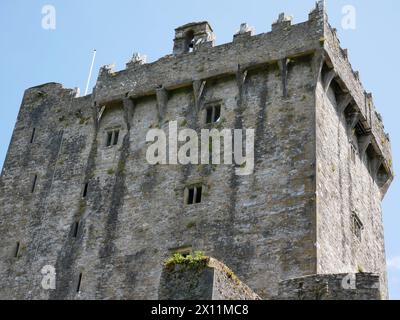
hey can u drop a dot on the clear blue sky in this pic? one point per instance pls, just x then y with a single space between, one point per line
30 55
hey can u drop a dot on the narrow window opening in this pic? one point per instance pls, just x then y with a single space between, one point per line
198 194
78 287
33 135
191 196
109 138
76 229
17 250
112 138
209 112
116 137
213 114
189 41
217 113
85 190
357 226
34 184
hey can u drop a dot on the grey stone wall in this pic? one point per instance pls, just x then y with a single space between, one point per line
213 281
360 286
347 184
288 220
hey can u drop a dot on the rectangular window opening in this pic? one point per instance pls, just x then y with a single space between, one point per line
217 113
190 196
34 183
198 194
17 250
78 286
85 190
213 114
116 137
209 115
109 138
33 135
76 229
194 195
358 226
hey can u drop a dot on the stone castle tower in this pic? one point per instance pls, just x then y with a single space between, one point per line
77 193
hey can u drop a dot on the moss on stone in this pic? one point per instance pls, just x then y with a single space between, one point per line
198 260
191 225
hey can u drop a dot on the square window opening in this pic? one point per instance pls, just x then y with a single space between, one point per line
194 195
213 114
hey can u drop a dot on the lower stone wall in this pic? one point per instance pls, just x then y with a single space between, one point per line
361 286
211 281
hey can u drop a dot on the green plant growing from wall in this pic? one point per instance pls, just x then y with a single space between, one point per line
197 260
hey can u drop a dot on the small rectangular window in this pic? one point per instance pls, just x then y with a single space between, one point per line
33 135
85 190
217 113
198 194
75 229
112 138
213 114
109 138
357 226
16 252
34 183
193 195
209 115
116 137
78 286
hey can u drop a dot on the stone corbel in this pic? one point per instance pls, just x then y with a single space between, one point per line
317 64
198 90
100 113
355 118
162 101
375 165
129 107
241 76
283 67
343 102
363 144
328 79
